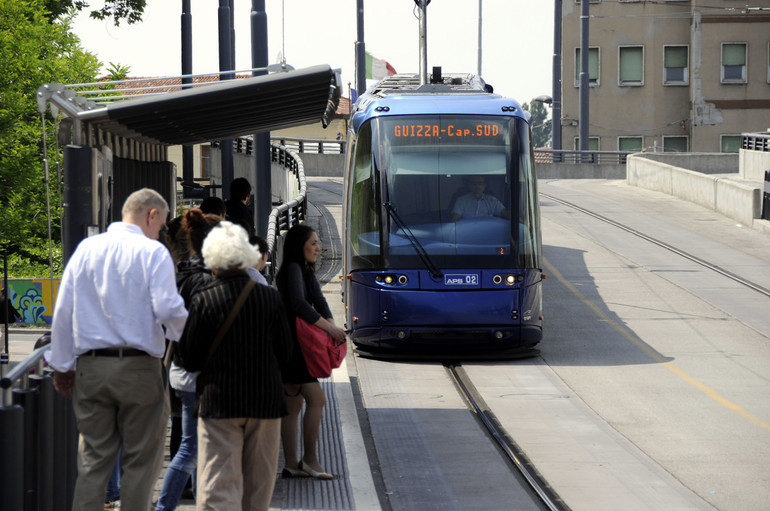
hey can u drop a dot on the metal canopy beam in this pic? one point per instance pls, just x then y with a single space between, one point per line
224 110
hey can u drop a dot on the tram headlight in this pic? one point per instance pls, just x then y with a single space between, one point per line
389 279
402 279
497 279
498 335
510 279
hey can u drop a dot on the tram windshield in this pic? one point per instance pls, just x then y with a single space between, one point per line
463 186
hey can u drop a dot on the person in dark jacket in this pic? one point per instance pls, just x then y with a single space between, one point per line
191 276
302 297
238 211
239 387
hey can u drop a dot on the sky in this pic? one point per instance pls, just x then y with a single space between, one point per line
517 38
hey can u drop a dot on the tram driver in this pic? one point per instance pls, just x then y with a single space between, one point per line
477 203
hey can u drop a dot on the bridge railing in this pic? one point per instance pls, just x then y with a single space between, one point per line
38 438
563 156
291 212
756 141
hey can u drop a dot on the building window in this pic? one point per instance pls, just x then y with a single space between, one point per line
630 144
675 144
593 143
631 65
206 161
675 65
593 66
730 143
734 62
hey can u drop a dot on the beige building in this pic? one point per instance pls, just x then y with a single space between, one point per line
669 75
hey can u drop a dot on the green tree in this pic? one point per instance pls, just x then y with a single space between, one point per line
118 71
33 51
541 124
129 10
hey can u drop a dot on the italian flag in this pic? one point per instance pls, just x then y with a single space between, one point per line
377 69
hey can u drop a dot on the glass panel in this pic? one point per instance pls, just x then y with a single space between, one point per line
631 65
733 55
449 180
732 72
731 143
363 222
675 74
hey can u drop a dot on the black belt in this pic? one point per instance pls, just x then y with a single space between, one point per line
116 352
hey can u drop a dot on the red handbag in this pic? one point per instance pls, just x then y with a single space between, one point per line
321 352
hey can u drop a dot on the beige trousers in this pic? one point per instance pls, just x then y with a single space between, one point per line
119 402
237 463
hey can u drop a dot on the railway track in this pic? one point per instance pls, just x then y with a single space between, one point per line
712 267
504 442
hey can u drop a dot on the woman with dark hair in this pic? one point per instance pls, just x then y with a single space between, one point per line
191 276
301 294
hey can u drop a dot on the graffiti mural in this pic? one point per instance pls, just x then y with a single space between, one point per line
34 299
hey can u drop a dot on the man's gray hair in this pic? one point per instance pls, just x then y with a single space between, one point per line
227 247
142 201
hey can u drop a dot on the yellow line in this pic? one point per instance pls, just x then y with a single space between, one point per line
628 335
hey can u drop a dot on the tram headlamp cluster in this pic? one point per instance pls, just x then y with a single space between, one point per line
509 279
391 280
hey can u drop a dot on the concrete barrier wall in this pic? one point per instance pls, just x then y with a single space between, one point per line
332 165
754 164
719 192
704 163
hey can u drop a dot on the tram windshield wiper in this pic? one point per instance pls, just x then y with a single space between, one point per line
421 252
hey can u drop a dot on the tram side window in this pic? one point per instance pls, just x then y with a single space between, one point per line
364 231
529 228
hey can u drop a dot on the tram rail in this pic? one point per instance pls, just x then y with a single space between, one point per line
507 445
721 271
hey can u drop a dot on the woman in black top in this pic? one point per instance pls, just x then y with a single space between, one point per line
302 297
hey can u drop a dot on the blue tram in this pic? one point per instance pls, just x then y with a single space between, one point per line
442 246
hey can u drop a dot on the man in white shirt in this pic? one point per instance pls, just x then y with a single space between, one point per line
116 305
478 203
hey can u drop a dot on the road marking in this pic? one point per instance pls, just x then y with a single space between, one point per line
657 357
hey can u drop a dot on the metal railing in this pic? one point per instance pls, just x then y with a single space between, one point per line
38 438
756 141
595 157
312 145
290 213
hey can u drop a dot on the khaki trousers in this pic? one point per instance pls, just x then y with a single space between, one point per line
237 463
119 402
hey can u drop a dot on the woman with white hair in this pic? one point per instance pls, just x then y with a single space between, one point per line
239 387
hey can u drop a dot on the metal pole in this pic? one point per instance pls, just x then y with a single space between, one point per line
360 49
479 72
225 64
7 300
556 92
188 167
423 6
263 198
584 75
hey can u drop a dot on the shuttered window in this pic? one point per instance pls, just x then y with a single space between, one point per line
631 65
593 66
675 65
734 62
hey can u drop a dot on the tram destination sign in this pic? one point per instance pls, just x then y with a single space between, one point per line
448 130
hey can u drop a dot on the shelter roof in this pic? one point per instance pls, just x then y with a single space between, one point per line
223 109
